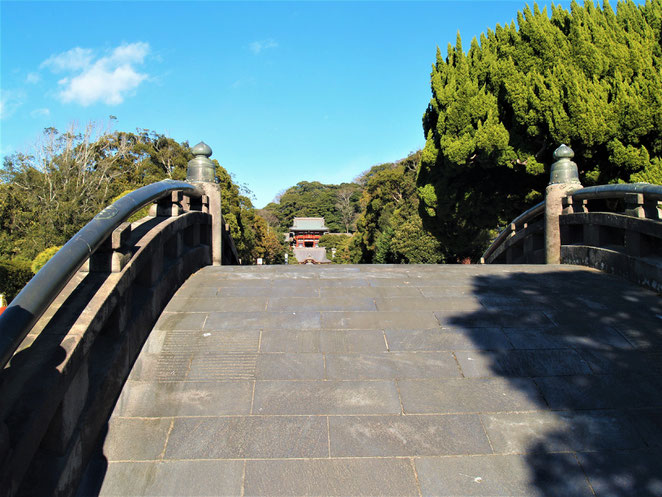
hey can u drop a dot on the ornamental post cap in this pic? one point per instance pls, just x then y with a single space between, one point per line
201 168
563 152
202 149
564 170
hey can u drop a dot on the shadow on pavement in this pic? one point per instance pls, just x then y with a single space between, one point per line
589 346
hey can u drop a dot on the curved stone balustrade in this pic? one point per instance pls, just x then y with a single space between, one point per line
617 229
59 388
522 242
614 228
74 332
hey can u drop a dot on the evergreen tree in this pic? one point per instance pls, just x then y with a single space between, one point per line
48 195
589 78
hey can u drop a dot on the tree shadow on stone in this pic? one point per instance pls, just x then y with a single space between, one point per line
591 346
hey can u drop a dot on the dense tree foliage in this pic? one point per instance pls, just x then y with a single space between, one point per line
381 203
341 243
389 229
590 78
337 204
14 275
48 195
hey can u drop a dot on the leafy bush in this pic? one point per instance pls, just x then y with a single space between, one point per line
42 258
14 275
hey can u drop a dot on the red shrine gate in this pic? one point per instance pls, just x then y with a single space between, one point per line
306 231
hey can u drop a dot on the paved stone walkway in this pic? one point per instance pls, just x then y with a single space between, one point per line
393 380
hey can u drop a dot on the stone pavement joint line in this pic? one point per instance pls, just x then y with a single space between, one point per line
393 380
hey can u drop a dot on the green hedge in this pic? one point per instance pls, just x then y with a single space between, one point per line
14 275
43 257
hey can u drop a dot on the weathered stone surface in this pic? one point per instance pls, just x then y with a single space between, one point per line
251 303
367 291
546 431
248 437
649 424
446 339
487 318
290 367
184 398
624 473
554 362
385 319
328 341
469 395
326 397
136 439
496 475
391 365
366 380
331 477
601 391
340 303
180 321
418 303
172 478
305 320
364 436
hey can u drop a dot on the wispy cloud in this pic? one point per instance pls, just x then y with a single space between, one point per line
258 46
72 60
10 100
43 112
108 79
33 78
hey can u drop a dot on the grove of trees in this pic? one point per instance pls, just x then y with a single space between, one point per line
337 204
48 195
590 78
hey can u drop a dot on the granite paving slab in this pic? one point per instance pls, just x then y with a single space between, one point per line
171 478
395 380
326 397
497 475
331 477
541 362
327 341
248 437
407 435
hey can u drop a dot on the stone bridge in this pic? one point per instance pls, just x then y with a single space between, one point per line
156 370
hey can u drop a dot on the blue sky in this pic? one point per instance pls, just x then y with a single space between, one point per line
281 91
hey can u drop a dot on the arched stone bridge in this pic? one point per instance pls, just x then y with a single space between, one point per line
156 372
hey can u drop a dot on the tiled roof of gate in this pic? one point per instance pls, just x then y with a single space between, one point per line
308 223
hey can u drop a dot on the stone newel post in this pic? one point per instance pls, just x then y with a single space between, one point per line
563 180
200 172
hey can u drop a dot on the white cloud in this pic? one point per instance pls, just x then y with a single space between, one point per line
108 79
10 100
43 112
33 78
257 46
72 60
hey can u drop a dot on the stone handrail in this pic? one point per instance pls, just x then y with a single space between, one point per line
77 328
33 300
624 238
516 232
615 228
652 193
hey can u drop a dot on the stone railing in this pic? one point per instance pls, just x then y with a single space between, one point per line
617 229
614 228
522 242
69 339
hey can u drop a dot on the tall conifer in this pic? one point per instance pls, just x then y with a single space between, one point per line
589 77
